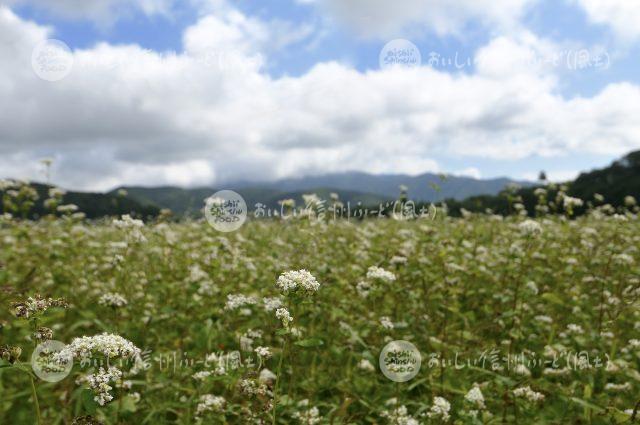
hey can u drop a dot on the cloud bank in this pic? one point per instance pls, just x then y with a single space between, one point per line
211 114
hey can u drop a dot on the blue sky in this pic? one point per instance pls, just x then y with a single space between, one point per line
316 62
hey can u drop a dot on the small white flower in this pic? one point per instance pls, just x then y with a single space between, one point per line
210 403
201 376
309 416
440 409
575 329
475 397
366 365
112 299
109 345
528 394
236 301
570 202
379 273
283 315
386 322
263 352
530 227
100 381
292 281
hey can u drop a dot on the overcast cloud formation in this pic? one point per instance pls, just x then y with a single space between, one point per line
211 113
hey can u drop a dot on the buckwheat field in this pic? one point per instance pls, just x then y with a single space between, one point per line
514 319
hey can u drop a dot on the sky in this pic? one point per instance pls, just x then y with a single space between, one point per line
203 92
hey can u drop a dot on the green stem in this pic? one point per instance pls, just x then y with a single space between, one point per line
275 389
35 399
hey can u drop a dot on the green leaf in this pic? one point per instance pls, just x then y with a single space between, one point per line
129 404
553 298
88 402
310 342
585 403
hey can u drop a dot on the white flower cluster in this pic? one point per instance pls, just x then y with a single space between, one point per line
530 227
263 352
475 397
283 315
69 208
570 202
56 192
572 328
440 409
247 339
363 287
132 226
630 201
309 417
254 388
529 394
386 322
99 383
379 273
294 280
112 299
400 416
623 259
235 301
210 403
109 345
127 222
366 366
271 304
201 376
36 305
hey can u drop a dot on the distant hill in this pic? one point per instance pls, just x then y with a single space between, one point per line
424 187
353 187
620 179
93 205
614 183
190 201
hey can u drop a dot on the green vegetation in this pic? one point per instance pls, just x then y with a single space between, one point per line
517 320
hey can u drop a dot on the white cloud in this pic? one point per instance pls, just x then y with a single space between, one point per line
469 172
621 15
126 115
383 18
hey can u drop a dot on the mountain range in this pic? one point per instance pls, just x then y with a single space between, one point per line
614 183
352 187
